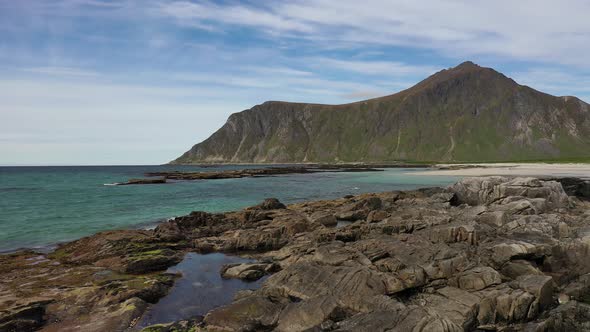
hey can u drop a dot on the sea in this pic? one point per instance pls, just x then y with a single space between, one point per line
44 206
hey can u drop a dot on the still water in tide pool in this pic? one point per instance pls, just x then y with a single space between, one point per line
41 206
200 289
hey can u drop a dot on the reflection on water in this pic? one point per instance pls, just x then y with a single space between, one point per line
199 290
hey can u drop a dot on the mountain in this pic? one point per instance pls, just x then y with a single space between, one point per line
462 114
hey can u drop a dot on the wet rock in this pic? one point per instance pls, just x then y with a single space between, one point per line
154 260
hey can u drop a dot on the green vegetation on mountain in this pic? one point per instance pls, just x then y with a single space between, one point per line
463 114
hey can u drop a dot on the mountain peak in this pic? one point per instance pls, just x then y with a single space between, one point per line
468 73
465 113
467 65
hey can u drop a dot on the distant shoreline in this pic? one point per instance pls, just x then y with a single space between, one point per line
384 164
539 169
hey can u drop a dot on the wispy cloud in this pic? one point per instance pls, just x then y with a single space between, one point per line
393 68
188 12
528 29
61 71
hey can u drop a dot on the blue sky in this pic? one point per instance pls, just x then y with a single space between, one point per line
139 82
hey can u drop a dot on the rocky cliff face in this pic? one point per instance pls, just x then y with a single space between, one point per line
466 113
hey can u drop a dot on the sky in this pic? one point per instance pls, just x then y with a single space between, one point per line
99 82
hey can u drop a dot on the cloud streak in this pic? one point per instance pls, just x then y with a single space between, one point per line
528 29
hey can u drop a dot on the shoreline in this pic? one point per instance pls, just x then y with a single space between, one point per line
454 170
389 245
543 170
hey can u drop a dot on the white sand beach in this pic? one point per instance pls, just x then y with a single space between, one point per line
511 169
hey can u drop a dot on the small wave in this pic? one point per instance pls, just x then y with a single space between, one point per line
111 184
152 224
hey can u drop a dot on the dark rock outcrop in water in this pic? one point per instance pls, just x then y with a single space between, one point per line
487 254
142 181
466 113
257 172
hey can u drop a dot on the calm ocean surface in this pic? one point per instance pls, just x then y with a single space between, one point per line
41 206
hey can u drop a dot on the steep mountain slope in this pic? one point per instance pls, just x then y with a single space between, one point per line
466 113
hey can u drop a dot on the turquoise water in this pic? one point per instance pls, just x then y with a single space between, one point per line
41 206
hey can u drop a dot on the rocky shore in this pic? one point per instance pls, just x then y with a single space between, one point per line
261 172
162 177
486 254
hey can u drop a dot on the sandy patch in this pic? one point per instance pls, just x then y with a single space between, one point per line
510 169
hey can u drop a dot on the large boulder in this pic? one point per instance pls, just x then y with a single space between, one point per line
324 218
247 271
270 204
488 190
353 288
253 313
304 315
477 278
